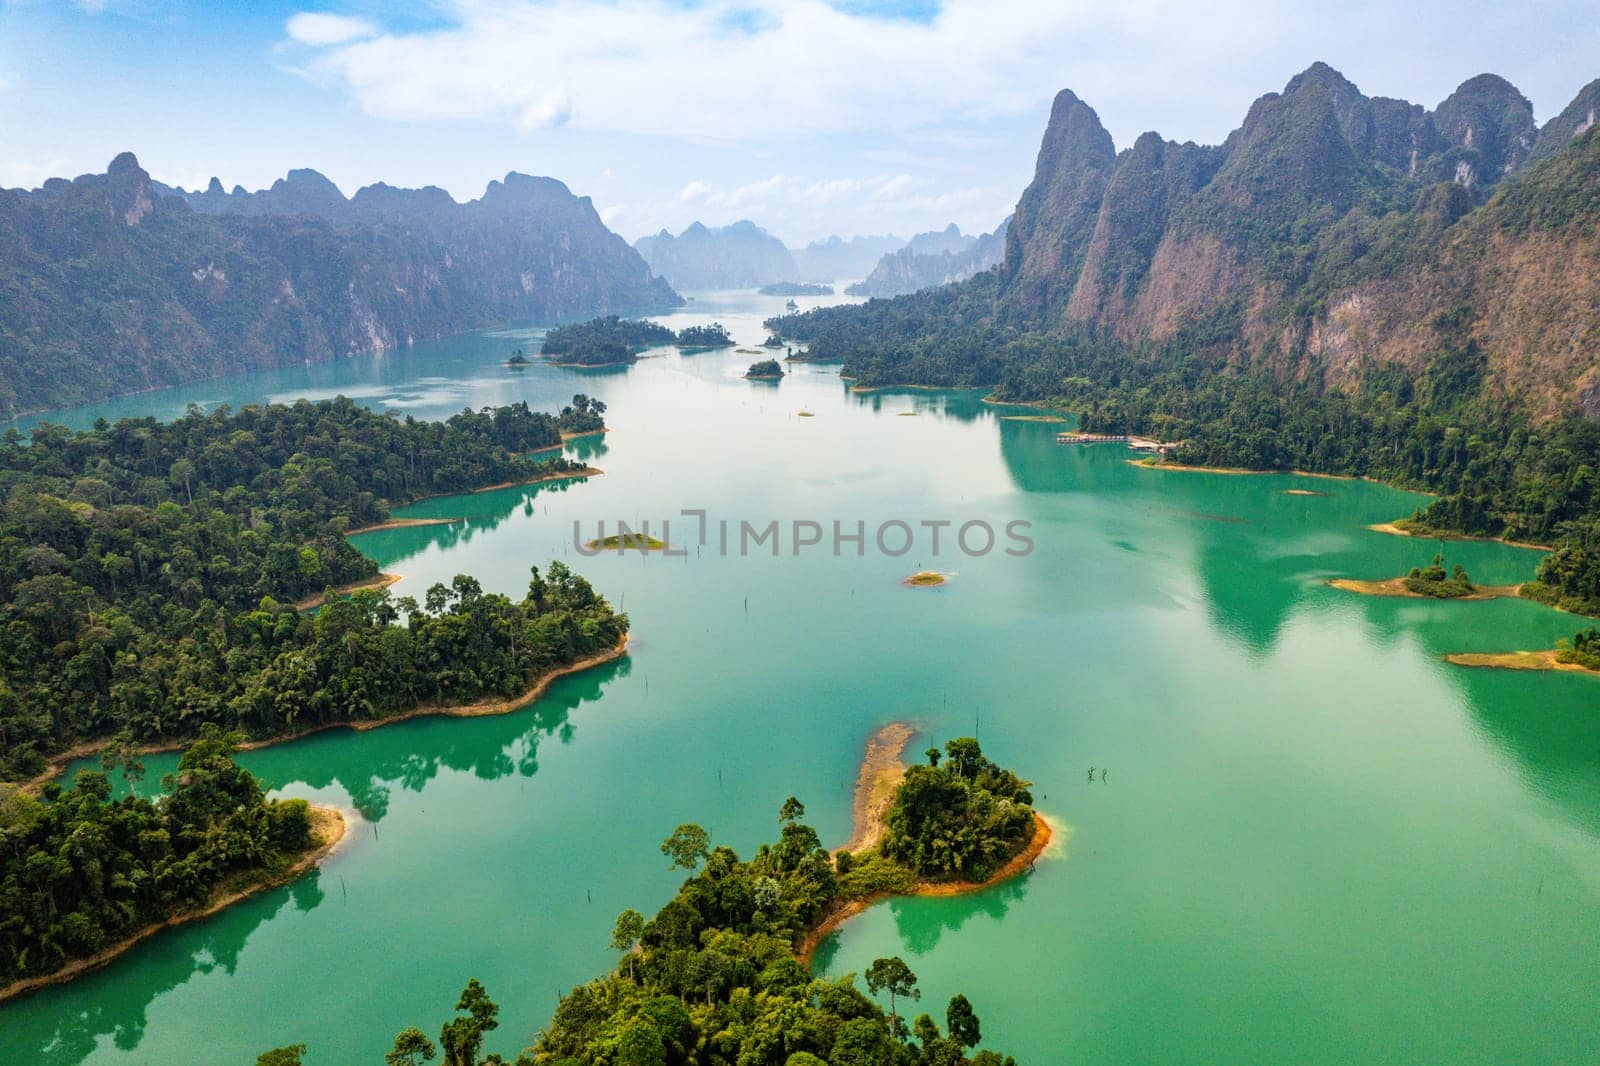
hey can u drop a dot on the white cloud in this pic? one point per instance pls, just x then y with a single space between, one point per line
793 207
796 67
321 29
695 190
763 70
31 173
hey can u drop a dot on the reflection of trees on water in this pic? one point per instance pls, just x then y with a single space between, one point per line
584 449
920 923
372 765
963 405
483 513
59 1027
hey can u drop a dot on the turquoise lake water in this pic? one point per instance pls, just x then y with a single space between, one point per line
1316 842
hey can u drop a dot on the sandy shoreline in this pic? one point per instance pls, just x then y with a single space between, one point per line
920 388
483 708
402 523
1236 471
328 827
382 581
1396 586
405 523
1518 660
882 770
568 438
1395 531
565 475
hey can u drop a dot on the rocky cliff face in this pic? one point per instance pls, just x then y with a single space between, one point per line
740 256
1054 221
1331 234
111 283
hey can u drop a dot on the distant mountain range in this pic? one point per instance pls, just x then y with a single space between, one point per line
740 256
111 283
837 259
938 258
744 255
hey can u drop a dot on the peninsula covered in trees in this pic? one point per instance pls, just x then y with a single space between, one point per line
795 288
614 341
607 341
83 876
148 573
713 979
704 337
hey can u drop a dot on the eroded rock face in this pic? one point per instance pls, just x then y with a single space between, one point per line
1331 234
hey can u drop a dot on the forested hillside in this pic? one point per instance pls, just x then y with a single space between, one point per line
111 283
149 571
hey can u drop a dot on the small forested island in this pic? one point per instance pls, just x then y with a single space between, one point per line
1431 582
1584 650
621 542
1581 654
586 415
795 288
83 877
772 341
519 358
607 341
704 337
719 976
1435 582
765 370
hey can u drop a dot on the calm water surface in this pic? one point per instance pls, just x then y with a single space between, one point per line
1316 841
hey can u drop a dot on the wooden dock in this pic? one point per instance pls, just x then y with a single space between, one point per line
1140 444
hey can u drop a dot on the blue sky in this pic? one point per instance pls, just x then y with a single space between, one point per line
808 117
